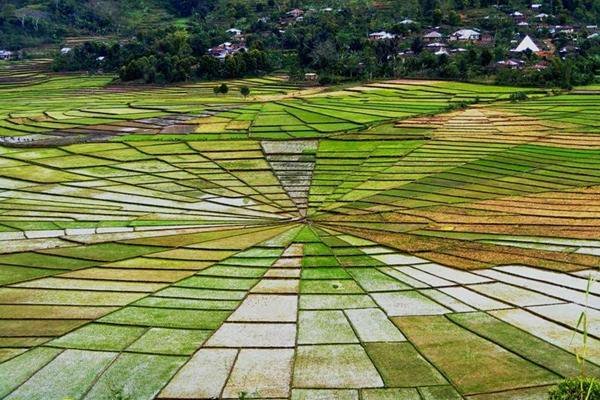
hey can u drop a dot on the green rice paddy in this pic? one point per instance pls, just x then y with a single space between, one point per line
396 240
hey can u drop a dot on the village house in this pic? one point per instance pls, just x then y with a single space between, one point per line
234 32
295 13
466 35
226 49
436 47
383 35
511 64
486 38
564 29
526 45
567 51
433 36
540 65
6 55
518 17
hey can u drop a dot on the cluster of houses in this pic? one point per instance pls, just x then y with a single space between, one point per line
293 15
236 45
539 20
226 49
438 43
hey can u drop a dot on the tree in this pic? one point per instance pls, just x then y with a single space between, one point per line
518 96
245 91
7 12
217 90
185 8
223 89
454 18
417 45
436 17
486 57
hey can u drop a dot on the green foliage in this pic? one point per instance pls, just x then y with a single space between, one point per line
576 389
245 91
223 89
118 395
518 96
162 56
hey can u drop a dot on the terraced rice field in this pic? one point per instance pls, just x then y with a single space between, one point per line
365 243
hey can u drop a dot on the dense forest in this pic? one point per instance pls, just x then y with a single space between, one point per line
171 40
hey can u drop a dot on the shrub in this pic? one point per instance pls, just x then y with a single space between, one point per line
245 91
221 89
576 389
460 105
518 96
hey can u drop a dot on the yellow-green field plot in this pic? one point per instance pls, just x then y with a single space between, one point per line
73 109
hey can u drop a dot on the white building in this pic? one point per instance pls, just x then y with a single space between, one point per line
295 13
226 49
511 64
433 36
527 44
234 31
466 35
383 35
436 46
6 55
